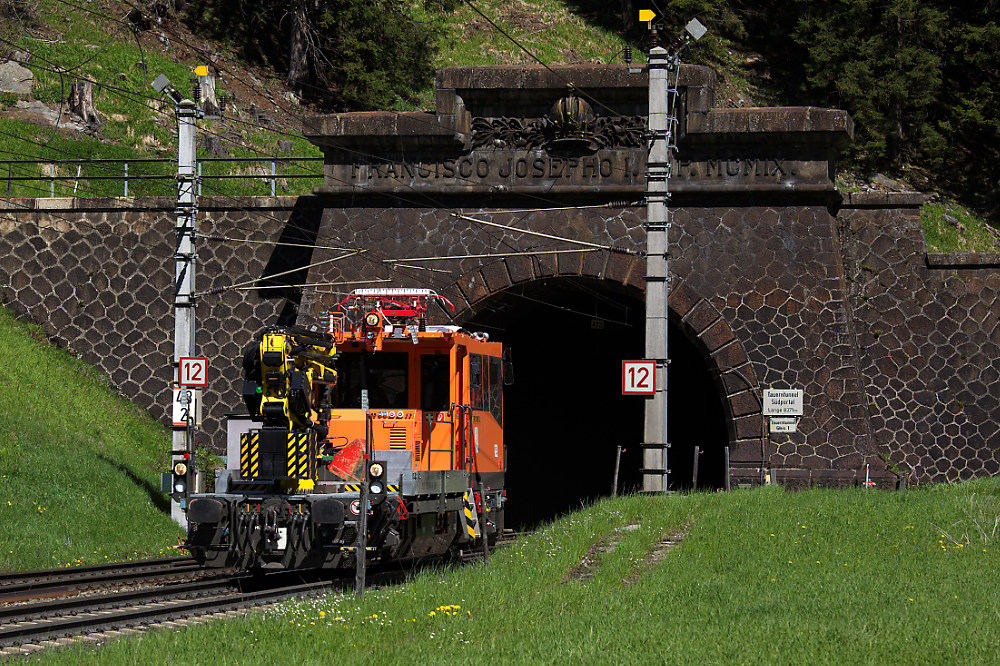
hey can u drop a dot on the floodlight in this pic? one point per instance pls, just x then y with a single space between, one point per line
160 83
696 29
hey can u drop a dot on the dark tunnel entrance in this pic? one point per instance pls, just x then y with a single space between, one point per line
565 416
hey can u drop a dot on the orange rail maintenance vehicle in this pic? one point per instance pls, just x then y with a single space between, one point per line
378 402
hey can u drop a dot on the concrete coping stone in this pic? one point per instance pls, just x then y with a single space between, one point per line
963 260
379 124
791 119
879 199
77 204
555 77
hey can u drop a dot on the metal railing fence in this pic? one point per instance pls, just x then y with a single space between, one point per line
66 176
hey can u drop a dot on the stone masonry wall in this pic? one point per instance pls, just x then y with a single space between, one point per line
759 289
769 284
928 328
898 352
98 276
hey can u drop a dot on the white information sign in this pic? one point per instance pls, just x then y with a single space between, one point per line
193 371
784 424
782 402
187 401
638 377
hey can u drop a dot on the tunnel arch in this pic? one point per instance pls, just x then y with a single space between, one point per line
565 415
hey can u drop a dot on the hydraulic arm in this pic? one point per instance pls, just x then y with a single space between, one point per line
287 376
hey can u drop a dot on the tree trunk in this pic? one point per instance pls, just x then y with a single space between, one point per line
629 16
81 101
298 64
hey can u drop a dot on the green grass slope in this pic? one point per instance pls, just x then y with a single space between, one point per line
62 42
758 576
79 465
953 228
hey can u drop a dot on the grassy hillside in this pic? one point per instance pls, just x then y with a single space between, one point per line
79 465
761 576
953 228
62 42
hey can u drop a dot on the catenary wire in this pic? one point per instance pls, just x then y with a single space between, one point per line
396 261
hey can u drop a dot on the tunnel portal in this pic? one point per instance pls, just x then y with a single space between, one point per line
565 414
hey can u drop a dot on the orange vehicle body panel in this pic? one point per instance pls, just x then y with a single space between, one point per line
468 434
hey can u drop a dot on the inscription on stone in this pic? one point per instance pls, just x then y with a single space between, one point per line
493 168
500 169
769 167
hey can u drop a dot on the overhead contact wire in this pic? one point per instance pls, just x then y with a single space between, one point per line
423 195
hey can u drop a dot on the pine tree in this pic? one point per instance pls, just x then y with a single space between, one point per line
340 54
879 59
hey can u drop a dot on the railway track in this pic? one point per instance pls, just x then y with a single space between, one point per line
26 628
52 583
45 609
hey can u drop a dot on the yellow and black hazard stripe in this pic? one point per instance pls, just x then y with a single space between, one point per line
356 487
470 518
300 463
249 454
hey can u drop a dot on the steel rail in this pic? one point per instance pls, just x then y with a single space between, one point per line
8 576
148 609
49 583
31 627
17 613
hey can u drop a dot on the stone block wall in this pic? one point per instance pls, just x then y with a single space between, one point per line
98 276
897 351
928 329
770 277
759 289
